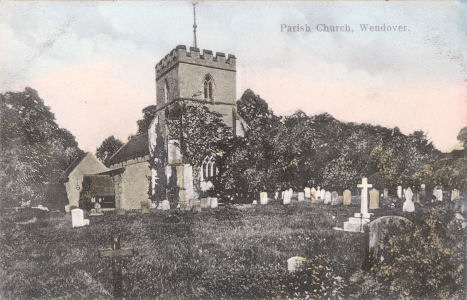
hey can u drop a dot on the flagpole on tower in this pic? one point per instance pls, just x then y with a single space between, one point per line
195 44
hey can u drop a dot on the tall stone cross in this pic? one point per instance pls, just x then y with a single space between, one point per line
116 252
364 198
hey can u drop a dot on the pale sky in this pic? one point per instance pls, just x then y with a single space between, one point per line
93 62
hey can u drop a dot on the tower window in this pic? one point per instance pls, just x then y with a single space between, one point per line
208 168
208 87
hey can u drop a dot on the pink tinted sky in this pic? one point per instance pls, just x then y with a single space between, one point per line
93 63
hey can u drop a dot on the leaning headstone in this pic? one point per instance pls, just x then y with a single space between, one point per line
307 191
77 218
214 203
347 197
301 196
455 195
287 198
263 198
296 263
334 198
408 205
399 192
327 197
374 199
380 228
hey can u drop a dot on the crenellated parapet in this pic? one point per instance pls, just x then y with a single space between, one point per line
193 56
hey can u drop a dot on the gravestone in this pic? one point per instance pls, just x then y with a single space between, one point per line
380 228
287 198
307 191
313 195
438 193
77 218
423 193
374 199
276 195
399 192
455 195
347 197
416 197
204 203
301 196
295 264
327 197
68 208
322 194
408 205
214 203
145 206
116 252
255 202
334 198
385 193
318 193
165 205
263 198
358 221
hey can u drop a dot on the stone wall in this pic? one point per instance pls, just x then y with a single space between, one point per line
88 165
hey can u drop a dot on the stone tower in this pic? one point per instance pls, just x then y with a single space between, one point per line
189 76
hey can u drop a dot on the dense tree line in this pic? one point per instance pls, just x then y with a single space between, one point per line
35 151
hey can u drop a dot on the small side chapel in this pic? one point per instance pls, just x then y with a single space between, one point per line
151 165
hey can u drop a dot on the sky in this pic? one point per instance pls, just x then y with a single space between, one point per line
93 62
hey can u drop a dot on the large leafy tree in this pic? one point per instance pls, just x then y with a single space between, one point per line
35 151
108 147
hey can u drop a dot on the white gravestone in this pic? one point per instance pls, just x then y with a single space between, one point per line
356 223
287 197
165 205
254 202
364 197
322 194
438 193
301 196
318 193
347 197
399 192
335 198
307 191
408 205
77 218
296 263
263 198
327 197
214 203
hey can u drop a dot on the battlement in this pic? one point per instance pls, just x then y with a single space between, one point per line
180 54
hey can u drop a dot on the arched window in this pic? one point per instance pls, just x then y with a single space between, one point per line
208 87
208 168
166 91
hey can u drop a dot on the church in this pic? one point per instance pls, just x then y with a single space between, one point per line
151 165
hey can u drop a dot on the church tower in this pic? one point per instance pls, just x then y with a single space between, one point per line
183 77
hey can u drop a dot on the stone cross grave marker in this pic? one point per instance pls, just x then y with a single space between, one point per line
347 197
116 253
374 199
364 197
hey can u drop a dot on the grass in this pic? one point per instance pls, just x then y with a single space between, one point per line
220 253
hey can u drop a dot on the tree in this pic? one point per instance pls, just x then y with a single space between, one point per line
108 147
149 112
35 151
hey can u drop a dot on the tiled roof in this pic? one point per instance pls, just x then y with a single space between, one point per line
136 147
73 165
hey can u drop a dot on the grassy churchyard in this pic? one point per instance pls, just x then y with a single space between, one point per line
218 253
228 252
